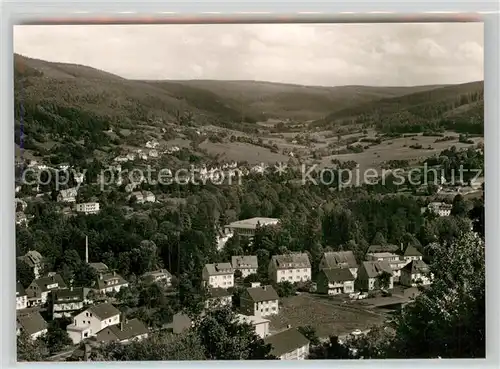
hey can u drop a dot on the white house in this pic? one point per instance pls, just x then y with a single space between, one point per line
260 324
395 261
21 297
411 253
124 332
294 267
259 301
289 344
440 208
110 282
88 208
92 320
68 195
416 273
247 264
32 323
38 291
218 275
247 227
340 259
161 275
65 303
369 273
335 281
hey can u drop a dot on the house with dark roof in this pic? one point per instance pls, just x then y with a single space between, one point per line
92 320
124 332
38 291
32 324
289 344
396 261
21 297
371 273
259 301
110 282
34 260
335 281
340 259
218 297
219 275
411 253
416 273
293 267
247 264
68 302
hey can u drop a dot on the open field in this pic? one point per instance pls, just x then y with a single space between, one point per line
325 315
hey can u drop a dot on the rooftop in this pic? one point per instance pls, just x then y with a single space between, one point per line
128 329
338 274
253 222
104 310
291 261
375 268
262 293
249 261
32 323
341 258
219 268
251 319
286 341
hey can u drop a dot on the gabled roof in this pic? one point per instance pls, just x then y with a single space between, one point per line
262 293
340 259
32 258
105 277
31 323
157 273
338 274
291 261
219 268
104 310
129 329
416 266
411 251
42 283
375 268
20 290
286 341
244 261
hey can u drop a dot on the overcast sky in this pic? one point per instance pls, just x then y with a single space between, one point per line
319 54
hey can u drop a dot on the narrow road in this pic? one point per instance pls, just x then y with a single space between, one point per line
62 356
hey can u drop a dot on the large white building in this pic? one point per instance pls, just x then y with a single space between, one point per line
293 268
340 259
247 227
220 275
92 320
65 303
416 273
110 282
88 208
259 301
440 208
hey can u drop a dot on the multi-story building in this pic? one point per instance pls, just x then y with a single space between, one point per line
161 275
220 275
259 301
335 281
34 260
110 282
440 208
21 297
65 303
340 259
218 297
416 273
293 268
395 261
92 320
88 208
39 290
247 264
68 195
370 274
288 345
247 227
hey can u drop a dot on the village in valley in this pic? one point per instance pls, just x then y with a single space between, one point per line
213 219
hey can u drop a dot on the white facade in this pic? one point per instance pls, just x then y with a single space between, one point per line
266 308
87 325
260 325
221 281
291 275
88 208
300 353
416 279
21 301
335 288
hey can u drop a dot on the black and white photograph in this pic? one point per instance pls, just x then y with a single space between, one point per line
249 191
